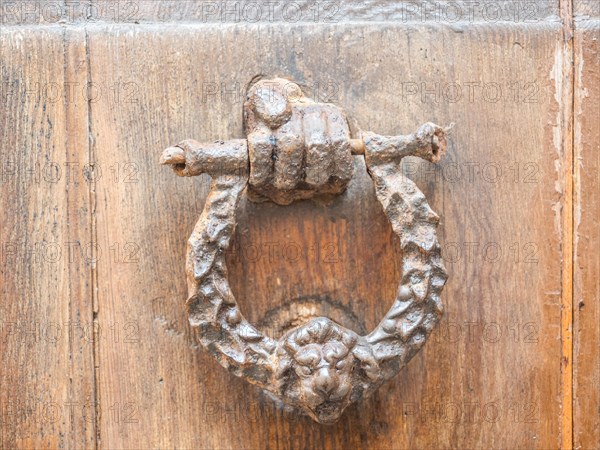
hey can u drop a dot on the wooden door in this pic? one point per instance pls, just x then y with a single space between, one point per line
95 347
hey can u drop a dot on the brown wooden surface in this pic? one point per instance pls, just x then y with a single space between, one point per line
43 12
47 390
586 301
152 386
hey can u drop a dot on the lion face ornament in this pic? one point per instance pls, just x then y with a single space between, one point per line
318 365
298 149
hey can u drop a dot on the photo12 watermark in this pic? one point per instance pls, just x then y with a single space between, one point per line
68 92
68 11
68 252
249 11
437 92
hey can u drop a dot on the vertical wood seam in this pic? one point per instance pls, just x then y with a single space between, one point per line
72 37
67 198
567 106
93 240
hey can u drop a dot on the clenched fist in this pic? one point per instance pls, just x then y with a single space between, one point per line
297 148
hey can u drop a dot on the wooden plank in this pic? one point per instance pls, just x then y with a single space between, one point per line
586 307
50 12
585 9
564 138
47 393
54 12
323 12
489 378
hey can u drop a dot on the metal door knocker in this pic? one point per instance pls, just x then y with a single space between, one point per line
298 149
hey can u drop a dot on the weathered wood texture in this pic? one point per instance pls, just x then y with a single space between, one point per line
47 391
586 301
490 376
500 340
20 12
585 9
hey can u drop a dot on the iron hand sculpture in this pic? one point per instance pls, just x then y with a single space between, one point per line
298 149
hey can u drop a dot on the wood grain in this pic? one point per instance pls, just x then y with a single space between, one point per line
314 12
564 139
46 355
502 389
586 307
95 347
89 12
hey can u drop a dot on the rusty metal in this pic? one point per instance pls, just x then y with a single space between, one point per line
298 149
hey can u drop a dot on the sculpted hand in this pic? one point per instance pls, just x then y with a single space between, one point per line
297 148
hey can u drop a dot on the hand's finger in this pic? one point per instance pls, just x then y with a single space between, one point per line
289 153
261 148
317 161
269 101
173 155
340 153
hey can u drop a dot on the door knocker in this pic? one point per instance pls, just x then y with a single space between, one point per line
298 149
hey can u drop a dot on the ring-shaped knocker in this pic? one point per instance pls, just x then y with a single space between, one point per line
296 149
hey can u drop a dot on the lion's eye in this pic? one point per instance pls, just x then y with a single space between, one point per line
340 365
305 370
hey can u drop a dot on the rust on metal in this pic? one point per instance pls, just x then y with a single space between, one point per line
298 149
